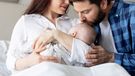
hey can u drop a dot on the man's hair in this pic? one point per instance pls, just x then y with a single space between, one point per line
97 2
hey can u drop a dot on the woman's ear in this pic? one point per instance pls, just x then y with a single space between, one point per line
103 4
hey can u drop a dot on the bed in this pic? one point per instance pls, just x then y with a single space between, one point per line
3 50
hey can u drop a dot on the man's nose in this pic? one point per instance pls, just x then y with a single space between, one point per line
82 17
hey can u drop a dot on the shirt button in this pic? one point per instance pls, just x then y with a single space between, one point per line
116 15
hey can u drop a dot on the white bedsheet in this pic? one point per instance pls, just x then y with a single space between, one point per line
53 69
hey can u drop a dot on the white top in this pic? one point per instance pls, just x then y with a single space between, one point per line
79 49
106 37
27 30
59 51
75 58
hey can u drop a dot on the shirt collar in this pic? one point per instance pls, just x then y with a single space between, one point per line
63 17
116 8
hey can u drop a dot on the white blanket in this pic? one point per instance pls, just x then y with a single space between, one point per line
53 69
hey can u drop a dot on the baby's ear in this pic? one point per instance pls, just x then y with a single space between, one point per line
74 34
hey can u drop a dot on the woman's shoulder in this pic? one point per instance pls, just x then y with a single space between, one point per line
30 16
27 19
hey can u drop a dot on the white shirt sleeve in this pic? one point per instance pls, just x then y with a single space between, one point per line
17 41
79 49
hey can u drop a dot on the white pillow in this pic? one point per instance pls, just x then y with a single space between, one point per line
3 70
3 50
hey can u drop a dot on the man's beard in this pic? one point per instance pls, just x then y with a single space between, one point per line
99 18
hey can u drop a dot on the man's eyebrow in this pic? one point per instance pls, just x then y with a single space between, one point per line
85 10
82 10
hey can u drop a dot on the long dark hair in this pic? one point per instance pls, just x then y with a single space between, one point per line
38 7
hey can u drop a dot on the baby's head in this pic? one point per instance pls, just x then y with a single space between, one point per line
84 32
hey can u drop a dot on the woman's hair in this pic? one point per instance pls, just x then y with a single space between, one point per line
97 2
38 7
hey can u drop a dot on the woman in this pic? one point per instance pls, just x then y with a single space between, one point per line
40 15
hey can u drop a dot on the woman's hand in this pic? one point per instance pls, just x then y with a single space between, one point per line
36 58
44 38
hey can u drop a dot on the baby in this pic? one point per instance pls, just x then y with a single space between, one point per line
84 35
87 34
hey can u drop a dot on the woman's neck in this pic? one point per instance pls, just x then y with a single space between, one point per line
51 16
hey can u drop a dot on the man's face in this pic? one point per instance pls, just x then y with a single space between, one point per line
88 12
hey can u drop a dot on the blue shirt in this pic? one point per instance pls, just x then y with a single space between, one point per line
122 21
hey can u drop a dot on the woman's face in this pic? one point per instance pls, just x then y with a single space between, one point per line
59 6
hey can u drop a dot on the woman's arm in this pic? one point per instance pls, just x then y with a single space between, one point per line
51 35
27 61
33 59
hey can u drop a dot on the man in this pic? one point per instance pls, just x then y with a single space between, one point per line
117 31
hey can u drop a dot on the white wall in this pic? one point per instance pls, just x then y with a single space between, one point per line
24 2
9 14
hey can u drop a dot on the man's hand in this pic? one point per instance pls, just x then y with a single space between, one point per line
98 55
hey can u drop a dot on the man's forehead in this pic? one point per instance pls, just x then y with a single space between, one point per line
80 6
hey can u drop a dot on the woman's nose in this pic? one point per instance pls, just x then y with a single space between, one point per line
67 1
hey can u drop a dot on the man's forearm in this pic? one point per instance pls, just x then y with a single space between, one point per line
64 39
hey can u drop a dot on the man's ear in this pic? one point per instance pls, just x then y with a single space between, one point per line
103 4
